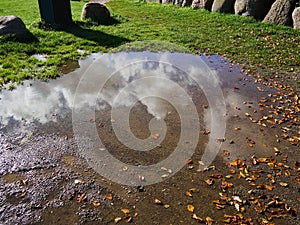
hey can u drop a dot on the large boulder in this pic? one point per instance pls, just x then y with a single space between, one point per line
296 18
281 12
255 8
96 12
223 6
202 4
12 25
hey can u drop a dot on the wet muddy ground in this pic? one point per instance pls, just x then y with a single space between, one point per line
254 179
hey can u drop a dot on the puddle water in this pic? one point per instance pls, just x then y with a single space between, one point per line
134 119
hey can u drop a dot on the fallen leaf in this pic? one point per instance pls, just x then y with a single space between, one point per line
81 198
126 211
165 175
128 219
189 194
157 201
96 203
205 132
232 171
109 196
226 153
216 176
199 219
209 181
218 206
189 161
118 219
283 184
78 181
190 208
209 220
155 136
166 206
270 187
276 150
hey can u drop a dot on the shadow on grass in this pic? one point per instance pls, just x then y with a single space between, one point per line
99 37
82 30
26 38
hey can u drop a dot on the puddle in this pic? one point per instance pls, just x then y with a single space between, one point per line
132 119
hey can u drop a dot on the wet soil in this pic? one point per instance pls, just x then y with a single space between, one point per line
254 178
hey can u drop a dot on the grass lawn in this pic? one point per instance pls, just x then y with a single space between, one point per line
244 40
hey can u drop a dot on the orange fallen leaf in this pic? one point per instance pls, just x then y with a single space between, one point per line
109 196
81 198
226 153
189 194
166 206
270 187
216 176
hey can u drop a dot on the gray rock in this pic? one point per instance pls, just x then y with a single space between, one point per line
12 25
255 8
296 18
223 6
281 12
166 1
95 11
202 4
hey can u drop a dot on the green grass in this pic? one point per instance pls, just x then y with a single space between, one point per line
241 39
